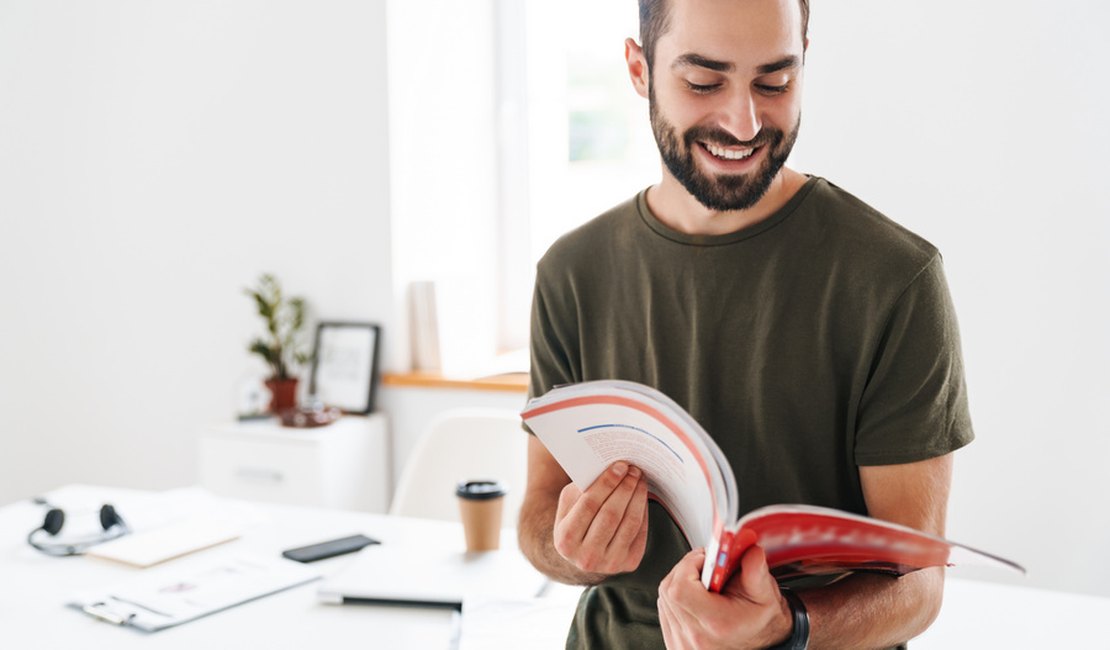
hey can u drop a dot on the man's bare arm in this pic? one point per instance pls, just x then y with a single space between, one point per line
862 611
580 537
878 611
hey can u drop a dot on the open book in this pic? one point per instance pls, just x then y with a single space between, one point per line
591 425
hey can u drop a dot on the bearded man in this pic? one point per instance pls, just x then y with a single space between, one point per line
811 336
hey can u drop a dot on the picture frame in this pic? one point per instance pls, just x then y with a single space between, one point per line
345 365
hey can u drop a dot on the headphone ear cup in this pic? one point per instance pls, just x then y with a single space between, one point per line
108 517
55 518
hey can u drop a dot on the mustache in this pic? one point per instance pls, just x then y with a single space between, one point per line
723 138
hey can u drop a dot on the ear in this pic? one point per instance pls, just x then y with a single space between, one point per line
637 67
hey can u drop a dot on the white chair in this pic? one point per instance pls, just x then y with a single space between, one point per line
461 445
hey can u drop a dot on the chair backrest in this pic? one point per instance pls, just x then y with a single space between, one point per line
461 445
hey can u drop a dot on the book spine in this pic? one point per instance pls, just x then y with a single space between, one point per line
721 563
732 547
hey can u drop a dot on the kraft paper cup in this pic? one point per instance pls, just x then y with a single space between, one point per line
480 505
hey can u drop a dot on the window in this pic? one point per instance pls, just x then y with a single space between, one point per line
511 122
578 139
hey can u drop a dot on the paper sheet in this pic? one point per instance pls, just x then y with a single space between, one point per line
503 624
176 593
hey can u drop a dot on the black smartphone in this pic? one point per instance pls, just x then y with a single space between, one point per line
331 548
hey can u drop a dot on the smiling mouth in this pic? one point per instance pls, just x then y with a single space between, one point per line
728 153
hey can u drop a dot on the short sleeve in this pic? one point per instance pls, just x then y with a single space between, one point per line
552 342
914 404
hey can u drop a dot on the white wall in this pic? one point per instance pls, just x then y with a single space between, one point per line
982 126
444 166
154 159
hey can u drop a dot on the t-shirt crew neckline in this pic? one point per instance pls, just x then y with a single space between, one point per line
782 213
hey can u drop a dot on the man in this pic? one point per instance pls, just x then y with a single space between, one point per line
812 337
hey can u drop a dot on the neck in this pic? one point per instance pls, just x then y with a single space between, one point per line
679 210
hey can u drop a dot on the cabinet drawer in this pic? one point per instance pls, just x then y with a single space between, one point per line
275 471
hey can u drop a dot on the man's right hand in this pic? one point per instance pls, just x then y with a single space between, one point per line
604 529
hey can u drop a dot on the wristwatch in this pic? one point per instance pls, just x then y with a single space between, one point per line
799 637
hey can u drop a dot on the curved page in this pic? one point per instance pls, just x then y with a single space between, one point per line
589 426
810 540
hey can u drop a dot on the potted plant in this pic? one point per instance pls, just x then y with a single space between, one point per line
281 347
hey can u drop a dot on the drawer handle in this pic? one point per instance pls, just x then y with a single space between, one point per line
259 475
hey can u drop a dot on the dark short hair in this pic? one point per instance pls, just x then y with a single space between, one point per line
655 21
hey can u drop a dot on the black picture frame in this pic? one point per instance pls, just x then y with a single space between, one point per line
345 365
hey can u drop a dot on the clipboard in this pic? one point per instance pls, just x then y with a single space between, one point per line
160 599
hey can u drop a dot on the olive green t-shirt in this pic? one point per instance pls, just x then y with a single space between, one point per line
818 340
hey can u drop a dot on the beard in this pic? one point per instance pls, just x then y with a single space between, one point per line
720 192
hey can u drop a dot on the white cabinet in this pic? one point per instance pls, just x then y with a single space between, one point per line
343 465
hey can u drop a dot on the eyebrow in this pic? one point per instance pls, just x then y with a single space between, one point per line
697 60
691 59
782 64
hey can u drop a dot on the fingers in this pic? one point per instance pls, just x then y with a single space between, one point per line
678 602
673 633
599 530
606 487
754 581
639 543
617 521
577 510
750 615
684 588
688 569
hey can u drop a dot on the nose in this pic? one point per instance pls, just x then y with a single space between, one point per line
741 115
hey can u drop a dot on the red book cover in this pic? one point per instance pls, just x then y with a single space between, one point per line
589 426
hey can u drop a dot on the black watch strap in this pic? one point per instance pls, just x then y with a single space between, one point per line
799 637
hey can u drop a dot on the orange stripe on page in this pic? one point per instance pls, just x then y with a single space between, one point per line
643 408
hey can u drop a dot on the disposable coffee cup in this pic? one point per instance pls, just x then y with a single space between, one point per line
480 505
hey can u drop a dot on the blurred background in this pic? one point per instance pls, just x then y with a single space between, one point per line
155 158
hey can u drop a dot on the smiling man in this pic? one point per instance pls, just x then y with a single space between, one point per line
811 336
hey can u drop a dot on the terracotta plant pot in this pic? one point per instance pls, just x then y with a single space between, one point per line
284 394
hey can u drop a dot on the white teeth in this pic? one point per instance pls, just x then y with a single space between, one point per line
728 154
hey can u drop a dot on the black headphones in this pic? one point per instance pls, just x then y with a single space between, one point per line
112 524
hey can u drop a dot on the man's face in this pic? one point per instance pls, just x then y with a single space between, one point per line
724 96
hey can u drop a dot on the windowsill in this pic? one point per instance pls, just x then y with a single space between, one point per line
513 382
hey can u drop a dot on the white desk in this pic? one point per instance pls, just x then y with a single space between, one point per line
33 588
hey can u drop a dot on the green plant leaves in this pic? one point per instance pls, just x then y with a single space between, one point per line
284 321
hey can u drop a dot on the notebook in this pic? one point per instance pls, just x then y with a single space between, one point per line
147 548
428 577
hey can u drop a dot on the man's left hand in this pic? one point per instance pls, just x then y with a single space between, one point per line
750 612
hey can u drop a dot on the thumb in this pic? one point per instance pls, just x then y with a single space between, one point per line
754 581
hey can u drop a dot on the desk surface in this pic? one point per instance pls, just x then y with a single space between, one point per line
35 586
33 615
